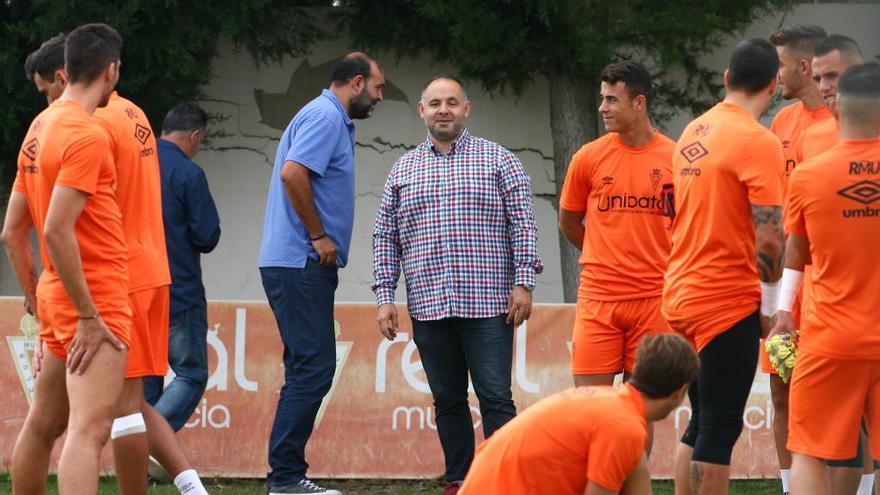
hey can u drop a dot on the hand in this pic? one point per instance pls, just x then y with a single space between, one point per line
38 357
519 306
326 251
387 319
90 336
784 324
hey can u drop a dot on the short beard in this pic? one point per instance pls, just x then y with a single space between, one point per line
445 136
361 106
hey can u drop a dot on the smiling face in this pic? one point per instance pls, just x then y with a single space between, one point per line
619 111
827 70
444 108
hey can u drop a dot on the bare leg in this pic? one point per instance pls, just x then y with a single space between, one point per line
709 479
682 469
808 476
46 421
130 451
94 398
163 443
779 395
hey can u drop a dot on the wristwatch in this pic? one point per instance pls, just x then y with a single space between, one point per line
528 287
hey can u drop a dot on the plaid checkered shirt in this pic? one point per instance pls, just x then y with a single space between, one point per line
460 225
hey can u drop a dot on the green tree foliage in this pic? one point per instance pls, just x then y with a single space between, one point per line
168 46
506 44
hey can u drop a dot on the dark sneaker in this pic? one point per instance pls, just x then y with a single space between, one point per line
301 487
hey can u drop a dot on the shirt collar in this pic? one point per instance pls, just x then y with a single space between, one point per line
459 145
329 94
164 143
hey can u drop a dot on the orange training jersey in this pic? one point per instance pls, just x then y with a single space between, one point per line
64 147
834 200
138 191
818 139
626 241
724 162
789 125
558 444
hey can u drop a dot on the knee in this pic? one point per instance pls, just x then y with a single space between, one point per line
199 378
46 428
446 398
718 434
92 433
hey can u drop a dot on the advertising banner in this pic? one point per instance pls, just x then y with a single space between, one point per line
378 419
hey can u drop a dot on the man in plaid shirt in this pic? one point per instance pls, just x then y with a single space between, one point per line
456 214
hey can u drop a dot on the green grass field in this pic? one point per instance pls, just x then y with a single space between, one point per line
373 487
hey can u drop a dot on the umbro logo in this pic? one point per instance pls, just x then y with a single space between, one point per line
864 192
607 179
142 133
693 152
30 149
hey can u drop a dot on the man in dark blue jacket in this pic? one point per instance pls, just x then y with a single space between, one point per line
192 227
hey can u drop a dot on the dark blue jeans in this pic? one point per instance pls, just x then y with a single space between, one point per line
188 357
449 348
302 300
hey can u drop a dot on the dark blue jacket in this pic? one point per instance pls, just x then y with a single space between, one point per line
192 225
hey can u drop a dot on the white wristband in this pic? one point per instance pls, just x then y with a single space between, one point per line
769 298
789 287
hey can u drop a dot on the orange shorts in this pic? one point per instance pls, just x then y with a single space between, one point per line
148 353
829 398
766 367
58 322
607 333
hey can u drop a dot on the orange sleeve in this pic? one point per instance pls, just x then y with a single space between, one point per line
81 162
794 213
576 189
763 170
615 450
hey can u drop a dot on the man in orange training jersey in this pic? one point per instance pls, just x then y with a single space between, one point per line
725 264
133 148
795 45
587 440
615 184
832 207
64 187
832 58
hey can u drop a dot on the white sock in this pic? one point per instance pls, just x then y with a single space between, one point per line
866 486
785 474
188 483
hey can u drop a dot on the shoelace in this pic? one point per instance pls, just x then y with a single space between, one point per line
306 483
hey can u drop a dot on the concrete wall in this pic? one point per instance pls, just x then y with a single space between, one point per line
257 100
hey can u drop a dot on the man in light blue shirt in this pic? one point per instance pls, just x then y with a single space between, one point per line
306 239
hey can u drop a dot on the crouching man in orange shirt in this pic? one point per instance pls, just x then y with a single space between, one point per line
587 440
